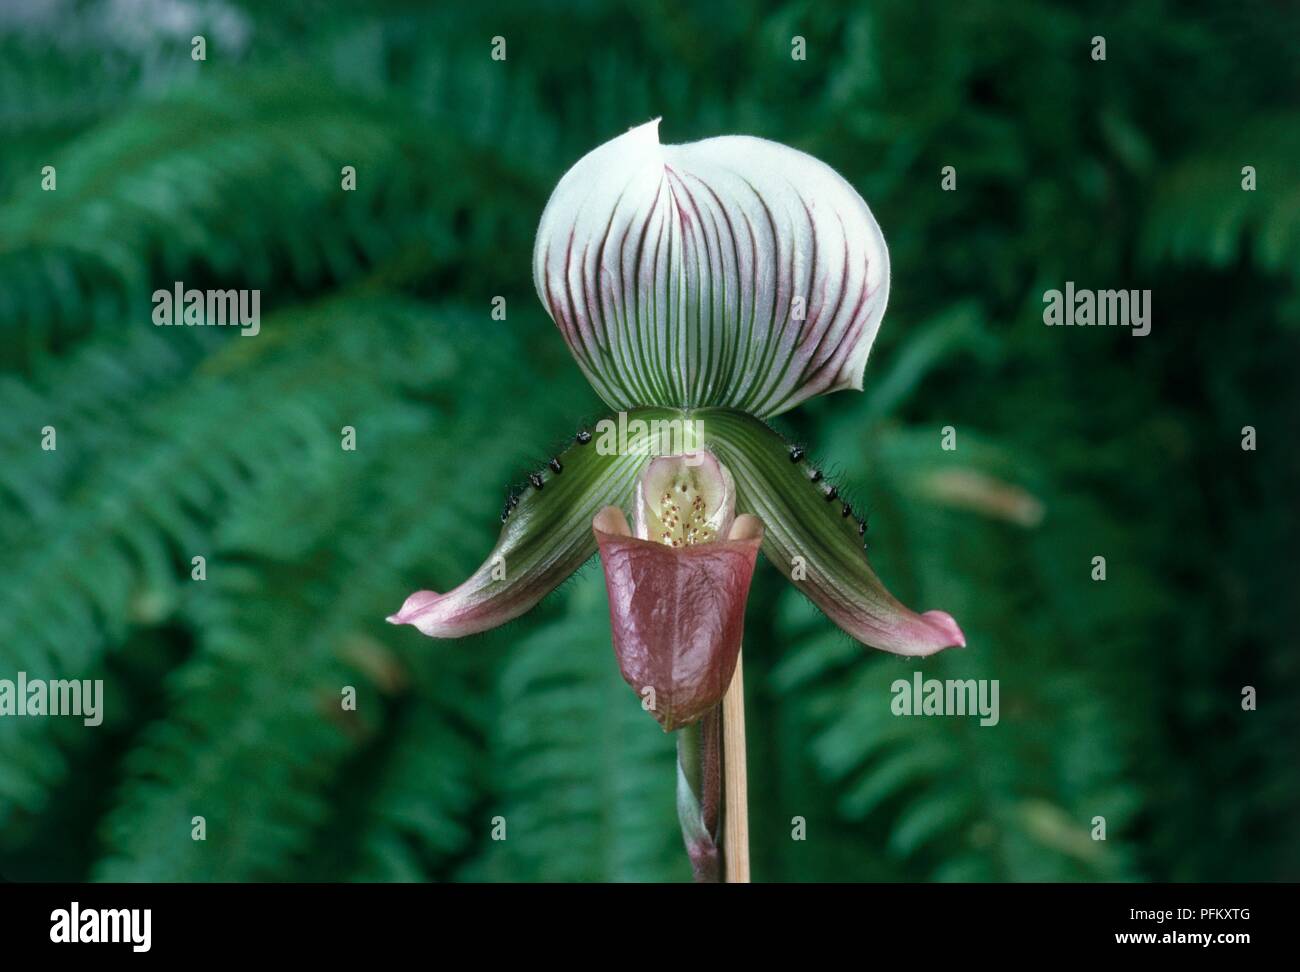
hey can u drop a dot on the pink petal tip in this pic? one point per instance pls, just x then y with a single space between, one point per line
947 627
413 606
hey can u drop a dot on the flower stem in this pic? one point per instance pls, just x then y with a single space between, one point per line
699 792
735 818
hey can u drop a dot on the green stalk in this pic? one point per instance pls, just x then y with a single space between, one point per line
699 793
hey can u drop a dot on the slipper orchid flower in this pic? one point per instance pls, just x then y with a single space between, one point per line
702 289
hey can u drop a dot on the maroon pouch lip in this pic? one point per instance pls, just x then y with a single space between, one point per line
677 616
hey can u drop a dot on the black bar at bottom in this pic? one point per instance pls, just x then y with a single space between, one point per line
339 921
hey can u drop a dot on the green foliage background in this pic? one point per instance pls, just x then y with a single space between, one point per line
1120 699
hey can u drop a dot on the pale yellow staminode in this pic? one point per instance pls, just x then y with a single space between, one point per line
685 500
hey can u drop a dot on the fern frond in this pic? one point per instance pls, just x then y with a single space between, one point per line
584 777
945 796
108 559
1188 223
165 194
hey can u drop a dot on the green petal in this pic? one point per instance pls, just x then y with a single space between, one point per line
547 534
813 543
